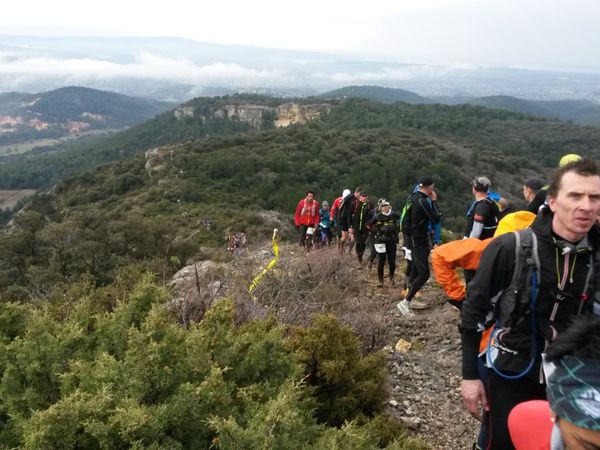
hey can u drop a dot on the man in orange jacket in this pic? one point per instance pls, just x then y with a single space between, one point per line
307 218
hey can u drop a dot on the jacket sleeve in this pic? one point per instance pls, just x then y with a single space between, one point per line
334 209
349 211
430 209
492 277
298 215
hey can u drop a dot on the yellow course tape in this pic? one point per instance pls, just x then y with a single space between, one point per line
271 264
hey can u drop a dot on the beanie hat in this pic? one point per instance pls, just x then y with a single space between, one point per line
346 193
425 181
534 183
571 157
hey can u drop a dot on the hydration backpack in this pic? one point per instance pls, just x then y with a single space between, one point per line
406 224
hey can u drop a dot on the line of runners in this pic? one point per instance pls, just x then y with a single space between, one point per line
522 288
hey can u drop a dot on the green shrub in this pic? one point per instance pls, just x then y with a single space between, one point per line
347 384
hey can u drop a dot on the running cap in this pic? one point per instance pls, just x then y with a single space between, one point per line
481 183
535 183
425 181
384 203
346 193
571 157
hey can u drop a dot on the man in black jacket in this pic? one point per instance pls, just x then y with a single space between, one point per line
360 218
423 209
567 242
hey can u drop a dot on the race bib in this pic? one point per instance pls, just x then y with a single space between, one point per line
380 248
310 230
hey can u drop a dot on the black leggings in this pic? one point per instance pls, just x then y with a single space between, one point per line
503 396
390 255
419 273
360 237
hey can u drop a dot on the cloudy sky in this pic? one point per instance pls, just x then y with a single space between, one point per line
514 33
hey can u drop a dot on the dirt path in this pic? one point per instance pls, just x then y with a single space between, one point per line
425 380
8 199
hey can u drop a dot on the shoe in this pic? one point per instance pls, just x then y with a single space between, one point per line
404 308
419 305
418 295
404 292
380 284
370 266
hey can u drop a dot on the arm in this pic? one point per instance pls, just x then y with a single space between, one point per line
298 215
493 275
333 209
476 230
437 233
431 210
481 213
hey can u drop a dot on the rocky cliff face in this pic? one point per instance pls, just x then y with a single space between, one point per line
294 113
285 114
252 114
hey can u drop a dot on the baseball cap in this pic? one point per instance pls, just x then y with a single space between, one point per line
534 183
426 180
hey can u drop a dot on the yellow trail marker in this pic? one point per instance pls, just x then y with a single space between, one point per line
271 264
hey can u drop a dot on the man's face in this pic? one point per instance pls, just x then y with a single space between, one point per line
577 438
528 193
310 196
576 205
363 198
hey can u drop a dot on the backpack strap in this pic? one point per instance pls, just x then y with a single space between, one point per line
527 265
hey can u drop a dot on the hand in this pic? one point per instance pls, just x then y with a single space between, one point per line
433 196
473 395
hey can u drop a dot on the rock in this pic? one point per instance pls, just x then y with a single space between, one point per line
402 346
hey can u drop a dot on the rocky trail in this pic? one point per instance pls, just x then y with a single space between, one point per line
425 379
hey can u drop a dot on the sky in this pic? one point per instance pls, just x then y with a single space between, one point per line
501 33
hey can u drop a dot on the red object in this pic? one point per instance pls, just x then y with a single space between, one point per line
530 425
307 213
335 207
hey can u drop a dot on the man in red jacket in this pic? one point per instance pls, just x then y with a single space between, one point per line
307 218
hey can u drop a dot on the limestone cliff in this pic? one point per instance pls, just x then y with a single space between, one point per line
252 114
295 113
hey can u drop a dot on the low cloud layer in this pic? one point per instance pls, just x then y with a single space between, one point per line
144 66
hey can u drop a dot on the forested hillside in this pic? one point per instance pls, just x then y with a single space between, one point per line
83 267
70 111
583 112
144 210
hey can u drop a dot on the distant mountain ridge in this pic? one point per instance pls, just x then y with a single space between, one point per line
377 94
70 111
583 112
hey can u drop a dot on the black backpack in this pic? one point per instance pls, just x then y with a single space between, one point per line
406 224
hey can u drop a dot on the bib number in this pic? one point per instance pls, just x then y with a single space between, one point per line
380 248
